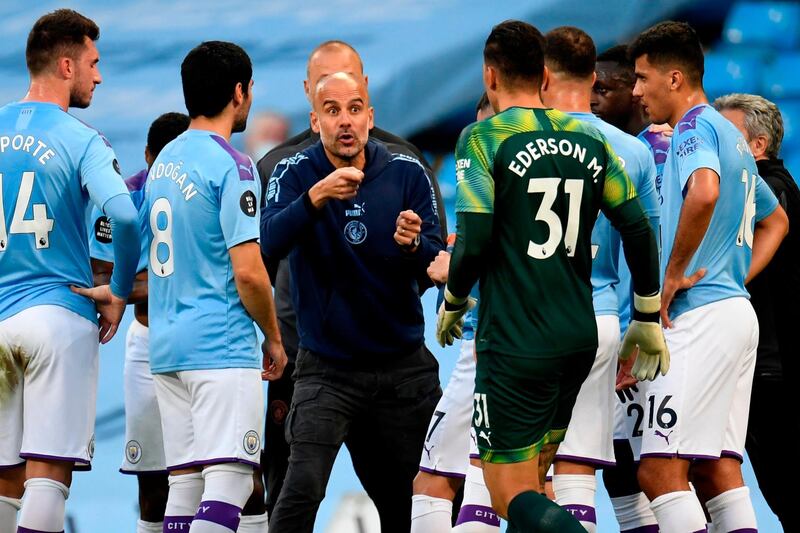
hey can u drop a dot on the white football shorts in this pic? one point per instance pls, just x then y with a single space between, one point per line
699 409
211 416
52 355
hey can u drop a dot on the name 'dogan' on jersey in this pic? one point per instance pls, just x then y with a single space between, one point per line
173 171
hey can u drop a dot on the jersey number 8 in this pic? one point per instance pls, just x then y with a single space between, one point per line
39 225
160 268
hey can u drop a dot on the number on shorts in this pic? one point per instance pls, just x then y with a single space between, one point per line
481 411
40 226
161 236
745 234
664 416
549 187
637 425
439 415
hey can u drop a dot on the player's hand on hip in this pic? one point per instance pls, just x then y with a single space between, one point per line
109 306
407 228
341 184
673 284
645 333
450 321
439 268
274 360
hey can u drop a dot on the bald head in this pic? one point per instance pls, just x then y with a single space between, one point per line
328 58
342 116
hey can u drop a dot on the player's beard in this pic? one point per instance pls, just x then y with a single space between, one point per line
80 99
240 124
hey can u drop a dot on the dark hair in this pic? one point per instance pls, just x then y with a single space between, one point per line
671 44
483 103
516 50
57 34
616 54
570 50
210 73
164 129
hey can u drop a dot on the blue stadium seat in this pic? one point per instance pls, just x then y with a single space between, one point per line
781 79
731 73
776 24
790 111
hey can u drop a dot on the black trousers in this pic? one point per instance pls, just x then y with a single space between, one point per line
275 459
381 414
770 451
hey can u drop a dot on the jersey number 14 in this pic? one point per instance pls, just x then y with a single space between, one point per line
40 226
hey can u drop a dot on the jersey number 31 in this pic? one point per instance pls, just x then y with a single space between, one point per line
549 186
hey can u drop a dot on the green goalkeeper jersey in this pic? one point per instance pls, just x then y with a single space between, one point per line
541 176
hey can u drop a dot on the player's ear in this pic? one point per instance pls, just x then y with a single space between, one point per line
238 94
489 77
759 146
305 88
676 80
545 79
148 157
371 111
65 67
314 119
594 78
366 80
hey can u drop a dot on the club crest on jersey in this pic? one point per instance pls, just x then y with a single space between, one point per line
355 232
251 442
133 452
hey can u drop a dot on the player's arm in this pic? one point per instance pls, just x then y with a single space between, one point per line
255 290
474 225
101 272
772 225
624 210
101 252
238 218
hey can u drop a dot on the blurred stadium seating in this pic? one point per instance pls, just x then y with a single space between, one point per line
760 53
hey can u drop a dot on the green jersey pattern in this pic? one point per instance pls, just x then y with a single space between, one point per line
540 176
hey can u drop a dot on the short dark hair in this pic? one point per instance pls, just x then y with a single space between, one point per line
60 33
210 73
672 43
164 129
483 103
618 55
570 50
516 49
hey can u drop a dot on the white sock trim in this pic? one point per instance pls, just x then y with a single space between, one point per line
16 503
422 504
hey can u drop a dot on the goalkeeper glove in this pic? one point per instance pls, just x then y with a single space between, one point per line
450 321
646 333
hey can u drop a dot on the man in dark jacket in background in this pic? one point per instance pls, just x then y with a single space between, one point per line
360 226
774 294
325 59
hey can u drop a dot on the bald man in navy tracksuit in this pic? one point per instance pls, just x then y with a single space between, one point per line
356 250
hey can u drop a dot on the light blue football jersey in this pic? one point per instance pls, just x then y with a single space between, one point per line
100 242
606 242
51 165
705 139
658 144
201 196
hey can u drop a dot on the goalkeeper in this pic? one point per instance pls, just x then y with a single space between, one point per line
530 183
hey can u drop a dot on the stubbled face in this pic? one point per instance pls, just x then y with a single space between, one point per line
653 90
342 115
612 95
86 75
240 123
329 61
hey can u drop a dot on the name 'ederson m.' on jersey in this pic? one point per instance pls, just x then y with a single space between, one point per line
202 200
705 139
542 176
51 165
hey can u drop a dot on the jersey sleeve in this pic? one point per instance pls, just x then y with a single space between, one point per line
695 147
239 211
474 182
100 242
99 172
766 201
